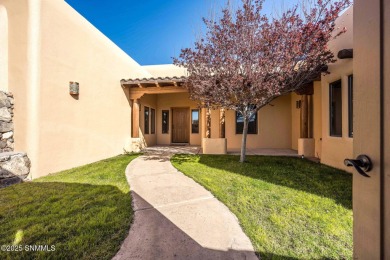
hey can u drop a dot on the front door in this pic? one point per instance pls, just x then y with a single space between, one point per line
180 125
371 195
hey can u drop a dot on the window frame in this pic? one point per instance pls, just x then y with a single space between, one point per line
192 121
350 106
152 121
146 120
331 91
162 122
249 133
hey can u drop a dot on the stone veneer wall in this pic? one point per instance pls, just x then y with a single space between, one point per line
6 124
14 166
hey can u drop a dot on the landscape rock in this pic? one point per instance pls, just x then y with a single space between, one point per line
5 115
14 164
14 167
7 135
10 144
4 101
6 126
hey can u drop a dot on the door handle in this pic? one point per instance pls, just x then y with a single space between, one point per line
362 164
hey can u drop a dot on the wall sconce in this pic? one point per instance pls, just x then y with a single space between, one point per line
74 88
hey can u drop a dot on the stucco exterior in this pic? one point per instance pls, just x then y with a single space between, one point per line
50 44
335 149
45 44
167 102
274 127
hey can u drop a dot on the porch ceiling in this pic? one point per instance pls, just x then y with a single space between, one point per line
160 85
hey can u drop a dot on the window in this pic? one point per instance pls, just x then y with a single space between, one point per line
146 120
195 121
252 126
165 121
335 109
152 121
350 105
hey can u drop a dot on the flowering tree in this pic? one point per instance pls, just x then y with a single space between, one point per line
246 60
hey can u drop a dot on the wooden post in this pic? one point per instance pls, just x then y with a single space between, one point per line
304 91
135 118
222 123
208 123
304 116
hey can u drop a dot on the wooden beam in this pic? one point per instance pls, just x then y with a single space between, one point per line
307 89
137 95
158 90
345 54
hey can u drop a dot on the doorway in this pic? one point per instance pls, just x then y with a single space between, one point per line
180 125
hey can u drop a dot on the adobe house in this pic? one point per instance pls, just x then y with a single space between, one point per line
72 108
162 113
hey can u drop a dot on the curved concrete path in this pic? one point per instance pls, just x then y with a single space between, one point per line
176 218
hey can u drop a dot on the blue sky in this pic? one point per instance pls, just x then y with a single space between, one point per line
152 31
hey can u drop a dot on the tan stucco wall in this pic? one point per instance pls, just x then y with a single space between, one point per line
168 101
316 124
18 16
274 127
214 145
50 44
165 70
336 149
3 48
274 123
215 124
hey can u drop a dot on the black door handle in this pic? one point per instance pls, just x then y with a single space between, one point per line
362 164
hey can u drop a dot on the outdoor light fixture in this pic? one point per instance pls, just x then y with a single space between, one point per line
73 88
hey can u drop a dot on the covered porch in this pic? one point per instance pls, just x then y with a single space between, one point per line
162 114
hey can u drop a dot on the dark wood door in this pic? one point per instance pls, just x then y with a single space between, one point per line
180 125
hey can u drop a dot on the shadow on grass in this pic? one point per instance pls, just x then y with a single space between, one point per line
155 235
82 221
291 172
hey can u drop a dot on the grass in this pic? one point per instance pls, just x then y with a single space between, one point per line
290 208
85 212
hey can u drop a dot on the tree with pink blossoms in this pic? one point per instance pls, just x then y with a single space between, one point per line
246 60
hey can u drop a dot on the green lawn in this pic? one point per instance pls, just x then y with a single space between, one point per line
289 207
84 212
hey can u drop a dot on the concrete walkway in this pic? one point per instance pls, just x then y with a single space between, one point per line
176 218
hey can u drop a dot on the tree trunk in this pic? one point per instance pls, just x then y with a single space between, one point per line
243 143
